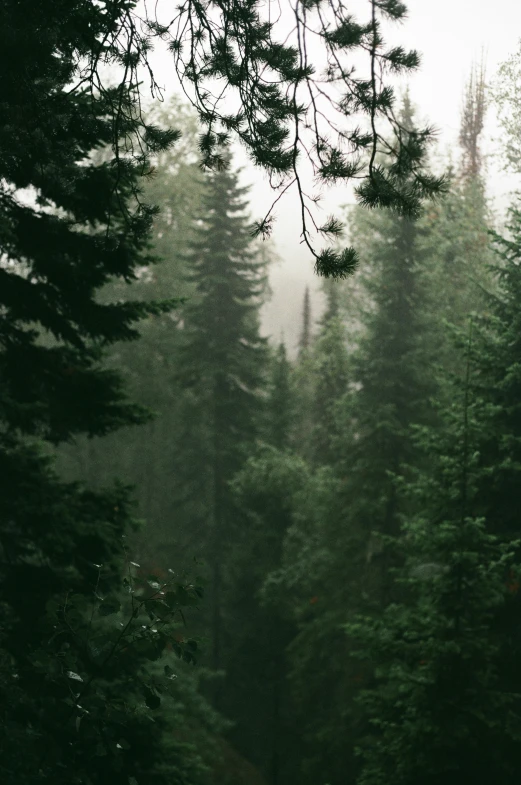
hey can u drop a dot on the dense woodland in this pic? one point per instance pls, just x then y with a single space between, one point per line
222 563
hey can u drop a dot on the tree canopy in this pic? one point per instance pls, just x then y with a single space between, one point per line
251 77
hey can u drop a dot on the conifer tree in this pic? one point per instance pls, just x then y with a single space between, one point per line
334 545
445 702
280 407
264 491
439 706
472 122
70 224
302 383
305 335
330 378
221 367
391 368
455 230
265 732
498 355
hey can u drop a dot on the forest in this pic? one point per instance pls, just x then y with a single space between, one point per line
225 559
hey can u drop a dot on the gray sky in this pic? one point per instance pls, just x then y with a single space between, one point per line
449 35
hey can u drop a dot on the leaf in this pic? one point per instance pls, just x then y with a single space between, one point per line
148 648
74 676
152 700
171 599
169 673
109 606
159 608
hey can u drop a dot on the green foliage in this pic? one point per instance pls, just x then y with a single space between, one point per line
282 478
281 100
95 687
264 490
438 705
505 96
280 405
220 362
330 375
499 351
371 379
74 709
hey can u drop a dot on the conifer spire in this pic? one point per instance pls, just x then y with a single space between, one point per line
472 121
305 335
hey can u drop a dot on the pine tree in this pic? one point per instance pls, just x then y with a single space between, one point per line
439 705
391 370
335 545
455 230
221 367
143 456
302 383
472 122
330 377
280 407
445 702
500 353
305 335
70 223
265 731
498 381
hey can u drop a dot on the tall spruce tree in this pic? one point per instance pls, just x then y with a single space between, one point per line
334 544
280 404
304 343
440 706
498 357
455 230
221 370
499 345
391 369
330 377
143 456
70 223
265 729
302 382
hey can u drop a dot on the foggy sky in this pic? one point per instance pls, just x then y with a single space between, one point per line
450 35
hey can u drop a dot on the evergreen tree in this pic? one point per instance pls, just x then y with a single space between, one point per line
472 122
70 224
393 383
305 335
280 408
334 545
302 383
455 230
221 367
439 704
265 723
330 377
143 456
498 353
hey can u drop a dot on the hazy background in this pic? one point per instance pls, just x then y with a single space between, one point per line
450 35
